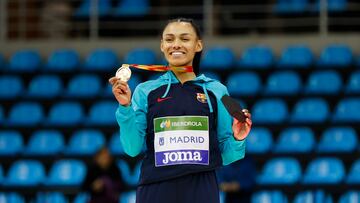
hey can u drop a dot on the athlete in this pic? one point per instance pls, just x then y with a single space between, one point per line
186 128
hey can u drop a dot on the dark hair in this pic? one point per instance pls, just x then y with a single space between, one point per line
197 57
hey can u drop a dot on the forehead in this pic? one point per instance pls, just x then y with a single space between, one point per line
178 28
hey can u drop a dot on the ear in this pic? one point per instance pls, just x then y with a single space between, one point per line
199 46
162 46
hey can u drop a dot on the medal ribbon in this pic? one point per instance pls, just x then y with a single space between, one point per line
161 68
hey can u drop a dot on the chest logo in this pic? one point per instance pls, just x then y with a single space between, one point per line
162 99
201 97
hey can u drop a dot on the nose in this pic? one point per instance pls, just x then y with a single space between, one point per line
176 44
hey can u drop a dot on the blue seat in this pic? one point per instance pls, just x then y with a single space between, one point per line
269 111
99 113
295 140
45 143
274 196
310 110
353 176
259 141
283 83
115 146
332 5
65 114
66 172
10 86
26 114
317 196
142 56
101 59
324 171
85 8
130 177
336 56
11 143
45 86
259 56
338 140
218 58
353 85
347 110
296 56
84 85
26 60
351 196
212 75
85 142
280 171
318 82
11 197
25 173
132 8
244 83
290 6
82 198
1 174
53 197
63 60
128 197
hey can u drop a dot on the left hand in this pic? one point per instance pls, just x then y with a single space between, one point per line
241 130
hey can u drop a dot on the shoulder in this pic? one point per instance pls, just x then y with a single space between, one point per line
146 87
217 88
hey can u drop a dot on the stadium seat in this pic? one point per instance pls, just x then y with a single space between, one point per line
244 83
130 177
353 85
354 173
1 175
280 171
141 56
53 197
26 114
128 197
45 143
65 114
82 198
100 113
290 6
335 55
85 9
269 111
45 86
132 8
85 142
11 197
259 56
295 140
11 143
26 60
310 110
317 196
259 141
66 172
102 59
324 171
296 56
212 75
115 145
83 85
347 110
25 173
283 83
332 5
324 82
351 196
218 58
338 140
63 60
269 197
10 86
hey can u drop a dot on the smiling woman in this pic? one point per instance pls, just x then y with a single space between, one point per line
186 128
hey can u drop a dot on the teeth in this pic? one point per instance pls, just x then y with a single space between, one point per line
177 53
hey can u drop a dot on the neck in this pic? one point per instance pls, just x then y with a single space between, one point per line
184 76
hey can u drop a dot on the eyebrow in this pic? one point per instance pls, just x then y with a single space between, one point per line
182 34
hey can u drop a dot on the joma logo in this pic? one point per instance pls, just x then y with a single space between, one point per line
181 156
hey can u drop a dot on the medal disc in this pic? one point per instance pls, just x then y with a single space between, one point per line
123 73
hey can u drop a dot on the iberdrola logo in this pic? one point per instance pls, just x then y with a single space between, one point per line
165 124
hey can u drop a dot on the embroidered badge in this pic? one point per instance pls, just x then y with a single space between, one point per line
201 97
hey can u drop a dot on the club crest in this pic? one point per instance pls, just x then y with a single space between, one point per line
201 97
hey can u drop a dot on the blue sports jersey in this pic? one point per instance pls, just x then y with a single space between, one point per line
185 126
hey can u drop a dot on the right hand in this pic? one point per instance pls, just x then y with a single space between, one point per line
121 91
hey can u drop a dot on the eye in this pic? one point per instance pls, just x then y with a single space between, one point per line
185 39
168 40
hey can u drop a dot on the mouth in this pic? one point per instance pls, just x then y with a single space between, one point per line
177 53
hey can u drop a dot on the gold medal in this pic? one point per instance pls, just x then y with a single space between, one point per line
123 73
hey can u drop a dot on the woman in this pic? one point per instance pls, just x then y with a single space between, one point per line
187 131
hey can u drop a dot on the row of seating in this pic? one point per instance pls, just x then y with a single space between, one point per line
238 84
264 111
64 172
214 58
303 6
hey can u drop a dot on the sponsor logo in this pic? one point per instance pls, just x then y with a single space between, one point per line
201 97
182 156
162 99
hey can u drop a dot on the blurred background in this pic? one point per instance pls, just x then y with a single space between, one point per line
295 64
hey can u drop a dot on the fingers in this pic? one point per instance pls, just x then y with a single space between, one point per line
120 87
247 113
113 80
